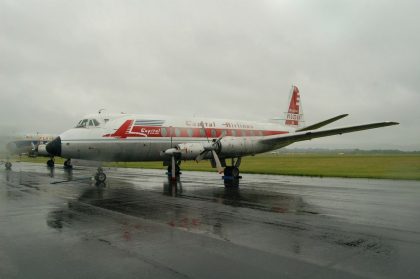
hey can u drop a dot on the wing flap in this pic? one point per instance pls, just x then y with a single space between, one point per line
286 139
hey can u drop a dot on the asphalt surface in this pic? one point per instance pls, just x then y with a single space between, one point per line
59 224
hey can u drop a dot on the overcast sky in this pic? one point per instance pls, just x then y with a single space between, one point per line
238 59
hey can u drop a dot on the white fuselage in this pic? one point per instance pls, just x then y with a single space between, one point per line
132 137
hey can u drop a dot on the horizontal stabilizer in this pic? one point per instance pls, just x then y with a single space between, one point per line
321 124
286 139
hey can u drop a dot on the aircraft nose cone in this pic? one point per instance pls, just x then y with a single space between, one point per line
54 147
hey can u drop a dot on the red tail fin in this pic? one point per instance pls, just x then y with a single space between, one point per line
294 115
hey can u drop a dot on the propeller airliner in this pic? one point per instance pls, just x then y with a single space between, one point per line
134 137
32 145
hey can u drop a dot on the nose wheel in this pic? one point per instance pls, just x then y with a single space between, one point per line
100 176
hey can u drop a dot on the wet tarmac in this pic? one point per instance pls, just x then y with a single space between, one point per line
59 224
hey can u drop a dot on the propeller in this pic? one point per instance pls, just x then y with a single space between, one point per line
212 147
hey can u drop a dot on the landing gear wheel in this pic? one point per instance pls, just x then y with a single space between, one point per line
227 172
232 172
67 164
231 177
235 172
50 163
177 170
8 165
100 176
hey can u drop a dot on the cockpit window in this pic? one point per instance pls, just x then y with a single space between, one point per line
82 123
95 122
88 123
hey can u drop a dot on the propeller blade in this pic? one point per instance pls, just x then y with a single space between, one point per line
219 167
201 156
173 174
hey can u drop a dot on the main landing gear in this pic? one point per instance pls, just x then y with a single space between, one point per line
51 163
231 174
67 164
8 165
174 165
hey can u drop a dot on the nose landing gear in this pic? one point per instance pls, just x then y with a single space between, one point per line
100 176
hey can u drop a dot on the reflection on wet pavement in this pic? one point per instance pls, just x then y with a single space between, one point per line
268 226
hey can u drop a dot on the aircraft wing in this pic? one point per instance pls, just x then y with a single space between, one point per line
286 139
321 124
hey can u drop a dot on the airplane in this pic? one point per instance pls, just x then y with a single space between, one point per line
32 145
137 137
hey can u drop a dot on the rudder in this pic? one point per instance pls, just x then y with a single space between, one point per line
294 114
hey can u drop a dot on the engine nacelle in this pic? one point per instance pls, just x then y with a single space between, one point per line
190 151
237 146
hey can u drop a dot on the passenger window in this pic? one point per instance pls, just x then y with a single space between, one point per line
190 132
202 132
91 123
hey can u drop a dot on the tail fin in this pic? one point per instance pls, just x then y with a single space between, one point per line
294 115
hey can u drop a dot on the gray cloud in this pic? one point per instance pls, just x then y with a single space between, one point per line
236 59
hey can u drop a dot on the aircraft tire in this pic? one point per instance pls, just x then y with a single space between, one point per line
8 165
50 163
227 172
67 164
177 170
235 172
100 177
